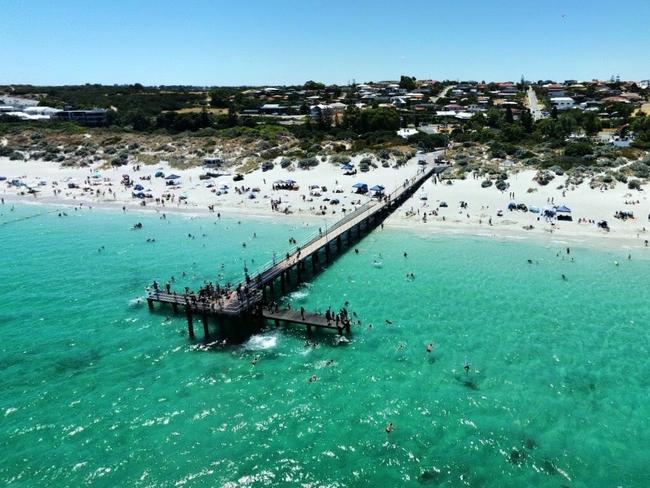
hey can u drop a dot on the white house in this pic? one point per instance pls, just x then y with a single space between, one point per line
563 103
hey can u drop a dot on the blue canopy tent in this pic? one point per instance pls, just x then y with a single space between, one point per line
138 187
361 187
563 213
172 177
347 167
378 188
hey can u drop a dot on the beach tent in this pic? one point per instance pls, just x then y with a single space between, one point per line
347 167
533 209
378 188
360 187
512 206
172 177
563 213
159 174
138 187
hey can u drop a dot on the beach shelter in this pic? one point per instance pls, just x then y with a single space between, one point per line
347 167
361 187
378 188
563 213
533 209
172 177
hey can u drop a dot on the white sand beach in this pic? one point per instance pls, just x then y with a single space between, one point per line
486 212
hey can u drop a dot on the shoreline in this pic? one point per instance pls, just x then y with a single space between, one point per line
449 207
503 232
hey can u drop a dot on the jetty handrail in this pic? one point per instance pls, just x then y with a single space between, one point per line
269 265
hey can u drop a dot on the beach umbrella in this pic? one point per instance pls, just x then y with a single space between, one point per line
563 209
377 188
359 185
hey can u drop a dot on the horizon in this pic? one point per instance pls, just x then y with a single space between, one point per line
165 44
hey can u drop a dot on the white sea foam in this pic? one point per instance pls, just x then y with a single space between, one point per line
261 342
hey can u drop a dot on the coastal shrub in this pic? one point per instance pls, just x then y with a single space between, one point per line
307 163
634 184
557 170
5 151
608 178
640 169
578 149
501 185
16 156
340 159
486 183
620 177
383 154
543 177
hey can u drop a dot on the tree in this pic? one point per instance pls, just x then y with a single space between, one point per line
407 82
509 117
554 113
591 123
313 85
526 120
219 98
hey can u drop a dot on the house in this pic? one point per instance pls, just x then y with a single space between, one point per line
94 117
563 103
273 109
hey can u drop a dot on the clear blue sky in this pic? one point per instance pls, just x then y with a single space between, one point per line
202 42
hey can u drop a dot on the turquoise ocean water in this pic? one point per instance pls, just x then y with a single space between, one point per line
97 390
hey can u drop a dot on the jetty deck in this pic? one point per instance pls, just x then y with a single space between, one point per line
308 318
248 297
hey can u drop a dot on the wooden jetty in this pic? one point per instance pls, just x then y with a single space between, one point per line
247 298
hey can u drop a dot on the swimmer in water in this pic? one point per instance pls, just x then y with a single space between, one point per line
313 378
429 347
564 277
389 322
254 361
467 366
390 427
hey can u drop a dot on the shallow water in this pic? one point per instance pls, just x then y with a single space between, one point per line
98 390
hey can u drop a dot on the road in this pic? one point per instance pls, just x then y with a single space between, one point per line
533 105
442 94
